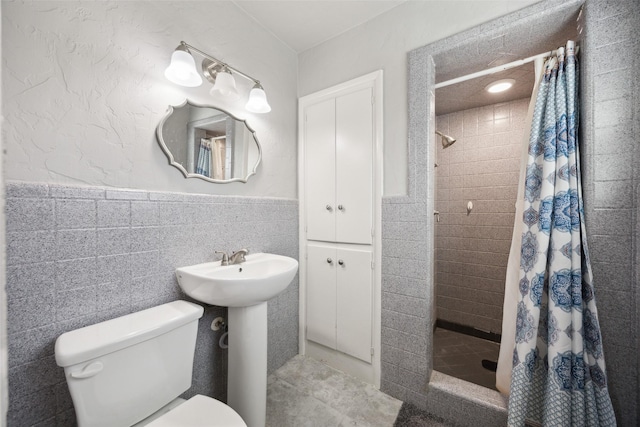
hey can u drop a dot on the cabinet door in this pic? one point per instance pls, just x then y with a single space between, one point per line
321 295
355 303
354 167
320 170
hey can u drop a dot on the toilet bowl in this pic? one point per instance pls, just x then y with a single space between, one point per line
129 371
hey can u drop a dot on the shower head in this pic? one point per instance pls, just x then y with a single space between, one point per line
447 140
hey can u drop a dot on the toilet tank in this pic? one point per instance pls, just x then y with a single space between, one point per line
123 370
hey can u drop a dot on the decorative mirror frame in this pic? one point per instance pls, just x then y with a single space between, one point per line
181 168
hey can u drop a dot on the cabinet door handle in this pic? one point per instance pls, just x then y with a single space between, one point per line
329 208
340 207
329 260
341 262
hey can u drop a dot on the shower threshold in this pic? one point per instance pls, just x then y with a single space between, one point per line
465 357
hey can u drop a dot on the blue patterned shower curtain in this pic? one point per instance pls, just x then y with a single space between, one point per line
558 376
204 158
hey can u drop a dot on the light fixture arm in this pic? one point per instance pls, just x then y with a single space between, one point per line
217 61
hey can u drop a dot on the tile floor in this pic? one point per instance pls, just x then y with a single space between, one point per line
460 356
305 392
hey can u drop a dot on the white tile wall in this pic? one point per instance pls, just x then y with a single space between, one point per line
472 250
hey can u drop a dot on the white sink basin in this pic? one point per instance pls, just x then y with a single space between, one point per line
261 277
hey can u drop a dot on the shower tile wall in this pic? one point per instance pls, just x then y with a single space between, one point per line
610 141
79 255
407 247
610 122
472 250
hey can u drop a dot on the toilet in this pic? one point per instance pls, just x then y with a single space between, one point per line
129 371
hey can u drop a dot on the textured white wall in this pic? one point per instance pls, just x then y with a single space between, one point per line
383 43
83 91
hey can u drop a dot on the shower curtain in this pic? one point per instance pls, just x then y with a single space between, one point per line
558 373
219 150
204 158
511 293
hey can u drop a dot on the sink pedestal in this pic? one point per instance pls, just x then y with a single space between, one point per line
247 372
245 289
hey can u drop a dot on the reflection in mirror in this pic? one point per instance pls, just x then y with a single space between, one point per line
208 143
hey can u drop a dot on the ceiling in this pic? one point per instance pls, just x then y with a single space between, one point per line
303 24
491 51
472 93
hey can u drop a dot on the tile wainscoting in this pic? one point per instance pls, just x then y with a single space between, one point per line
80 255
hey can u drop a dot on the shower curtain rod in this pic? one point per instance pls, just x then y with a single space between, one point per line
488 71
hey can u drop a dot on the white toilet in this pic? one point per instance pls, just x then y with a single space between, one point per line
129 371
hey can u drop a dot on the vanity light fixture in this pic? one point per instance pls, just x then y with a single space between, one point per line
500 85
258 100
182 71
225 84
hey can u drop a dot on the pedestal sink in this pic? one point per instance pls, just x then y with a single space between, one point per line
245 288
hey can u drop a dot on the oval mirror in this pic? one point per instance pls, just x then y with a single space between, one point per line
206 142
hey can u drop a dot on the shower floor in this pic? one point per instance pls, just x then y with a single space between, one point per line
460 355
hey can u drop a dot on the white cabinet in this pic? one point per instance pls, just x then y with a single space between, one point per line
320 170
340 298
340 190
339 144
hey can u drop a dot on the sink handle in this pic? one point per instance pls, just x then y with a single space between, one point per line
238 256
225 257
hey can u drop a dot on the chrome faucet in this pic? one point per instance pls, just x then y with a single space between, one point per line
235 258
225 257
238 257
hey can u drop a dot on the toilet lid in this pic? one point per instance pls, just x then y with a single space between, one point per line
200 411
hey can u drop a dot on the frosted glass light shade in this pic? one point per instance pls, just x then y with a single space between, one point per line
258 101
500 86
182 70
225 85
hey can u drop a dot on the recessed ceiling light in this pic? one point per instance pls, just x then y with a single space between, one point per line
500 85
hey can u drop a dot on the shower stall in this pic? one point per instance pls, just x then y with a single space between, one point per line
476 189
543 26
479 153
